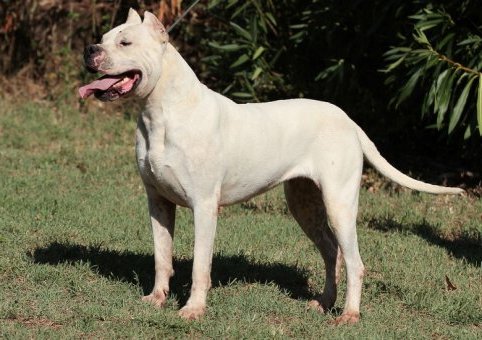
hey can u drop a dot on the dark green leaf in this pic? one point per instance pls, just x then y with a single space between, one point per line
444 94
421 38
271 18
213 3
395 50
298 35
258 52
394 65
231 3
240 61
240 9
241 31
448 38
472 40
468 132
460 105
256 73
407 90
242 95
227 48
440 80
298 26
479 105
429 99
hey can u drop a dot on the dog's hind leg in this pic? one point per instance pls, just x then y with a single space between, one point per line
306 204
340 194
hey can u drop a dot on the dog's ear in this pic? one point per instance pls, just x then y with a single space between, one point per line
156 27
133 18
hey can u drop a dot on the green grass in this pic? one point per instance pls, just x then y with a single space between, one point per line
76 250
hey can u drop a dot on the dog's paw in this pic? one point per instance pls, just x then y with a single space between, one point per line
158 298
347 319
316 306
192 312
321 303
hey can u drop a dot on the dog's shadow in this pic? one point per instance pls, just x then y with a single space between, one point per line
138 269
463 247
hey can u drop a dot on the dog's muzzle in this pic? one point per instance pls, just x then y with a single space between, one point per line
91 54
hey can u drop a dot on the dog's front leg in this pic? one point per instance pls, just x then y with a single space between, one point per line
162 214
205 219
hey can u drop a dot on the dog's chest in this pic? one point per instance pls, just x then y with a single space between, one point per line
157 168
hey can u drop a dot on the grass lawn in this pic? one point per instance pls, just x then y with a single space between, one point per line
76 250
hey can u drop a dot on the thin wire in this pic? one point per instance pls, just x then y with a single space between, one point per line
183 15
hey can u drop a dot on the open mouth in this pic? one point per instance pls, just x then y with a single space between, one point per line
112 87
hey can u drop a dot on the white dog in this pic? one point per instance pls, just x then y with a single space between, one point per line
198 149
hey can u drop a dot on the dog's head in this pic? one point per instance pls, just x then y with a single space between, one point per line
129 57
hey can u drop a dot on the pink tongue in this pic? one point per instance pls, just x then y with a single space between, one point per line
100 84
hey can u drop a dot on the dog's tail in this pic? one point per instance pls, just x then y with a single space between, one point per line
381 164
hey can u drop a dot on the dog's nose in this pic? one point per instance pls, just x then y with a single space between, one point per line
89 53
90 50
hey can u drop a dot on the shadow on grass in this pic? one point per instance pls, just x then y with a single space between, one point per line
139 269
462 247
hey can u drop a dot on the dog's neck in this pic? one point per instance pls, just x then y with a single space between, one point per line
177 88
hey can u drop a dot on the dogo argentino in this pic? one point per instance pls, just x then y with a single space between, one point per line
198 149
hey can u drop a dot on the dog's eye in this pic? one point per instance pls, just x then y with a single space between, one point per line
125 43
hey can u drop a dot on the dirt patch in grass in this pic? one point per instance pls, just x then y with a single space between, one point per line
34 322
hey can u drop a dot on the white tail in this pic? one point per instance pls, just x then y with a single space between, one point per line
381 164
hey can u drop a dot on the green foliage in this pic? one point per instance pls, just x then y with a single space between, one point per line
321 49
438 64
335 45
239 46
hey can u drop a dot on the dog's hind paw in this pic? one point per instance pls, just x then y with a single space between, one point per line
321 303
316 306
158 298
192 313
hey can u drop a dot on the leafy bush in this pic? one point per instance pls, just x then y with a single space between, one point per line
323 49
440 62
239 48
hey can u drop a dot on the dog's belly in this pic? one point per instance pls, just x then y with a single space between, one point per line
232 195
237 189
